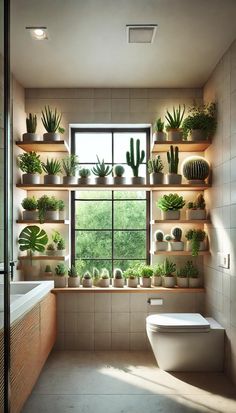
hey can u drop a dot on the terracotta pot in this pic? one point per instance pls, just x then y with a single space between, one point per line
195 214
30 215
52 179
146 282
157 281
168 282
182 282
31 179
73 282
173 179
50 137
168 215
132 282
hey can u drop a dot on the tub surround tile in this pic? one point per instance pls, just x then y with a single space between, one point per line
120 322
102 323
102 303
120 303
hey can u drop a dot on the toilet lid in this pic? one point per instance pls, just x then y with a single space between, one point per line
178 322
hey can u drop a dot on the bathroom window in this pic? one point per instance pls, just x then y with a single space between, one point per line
109 228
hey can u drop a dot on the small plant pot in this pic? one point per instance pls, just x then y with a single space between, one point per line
52 179
182 282
202 246
175 135
196 214
161 245
47 275
84 181
60 281
132 282
30 215
31 179
87 283
196 182
61 215
159 136
96 282
104 282
194 282
119 180
173 179
157 178
176 245
168 282
30 137
70 180
118 282
51 137
101 180
74 282
138 180
198 135
61 253
146 282
51 215
168 215
157 281
51 253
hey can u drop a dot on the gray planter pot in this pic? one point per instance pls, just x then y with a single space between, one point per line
195 214
194 282
157 281
74 282
161 246
157 178
176 246
70 180
118 282
146 282
119 180
51 215
203 246
50 137
84 181
101 180
87 283
198 135
168 215
30 215
182 282
168 282
104 283
52 179
138 180
173 179
51 253
60 281
31 179
132 283
159 136
175 135
30 137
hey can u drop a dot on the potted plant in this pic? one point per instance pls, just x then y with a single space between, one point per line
135 161
96 276
155 167
182 277
73 277
101 171
29 162
60 277
176 244
168 279
30 209
51 121
61 209
52 167
173 178
47 272
132 277
193 275
196 170
118 171
157 273
160 244
170 206
48 208
196 210
118 279
87 281
174 121
31 126
159 134
32 239
61 247
195 241
146 273
84 174
104 278
70 164
201 122
51 249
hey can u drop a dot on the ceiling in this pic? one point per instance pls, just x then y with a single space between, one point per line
88 47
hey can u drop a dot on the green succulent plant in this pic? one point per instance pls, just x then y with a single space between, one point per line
51 120
30 163
175 119
157 270
131 272
176 234
29 204
155 165
52 166
100 169
96 273
72 272
61 205
199 203
61 270
189 270
48 268
87 275
70 164
171 202
105 274
196 236
84 173
61 245
46 203
146 271
158 125
51 247
196 169
201 117
31 123
168 268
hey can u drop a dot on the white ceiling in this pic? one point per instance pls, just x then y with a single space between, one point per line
88 46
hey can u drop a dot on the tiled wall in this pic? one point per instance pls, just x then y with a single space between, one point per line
114 321
221 198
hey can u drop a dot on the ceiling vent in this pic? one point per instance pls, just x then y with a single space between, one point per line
141 33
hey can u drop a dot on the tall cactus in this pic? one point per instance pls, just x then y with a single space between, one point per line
130 156
31 123
176 233
173 159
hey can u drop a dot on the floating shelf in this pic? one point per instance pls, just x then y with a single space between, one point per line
184 146
130 187
128 290
179 253
41 146
181 221
44 257
36 221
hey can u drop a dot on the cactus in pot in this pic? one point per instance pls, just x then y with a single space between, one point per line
155 167
168 269
47 273
173 178
61 247
101 171
118 171
118 279
176 244
160 244
196 210
131 274
96 276
134 159
105 278
73 277
84 174
60 277
196 170
87 281
31 127
157 273
159 134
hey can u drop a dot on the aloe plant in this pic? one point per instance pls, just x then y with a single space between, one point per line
101 169
159 125
51 120
175 119
70 165
52 166
155 165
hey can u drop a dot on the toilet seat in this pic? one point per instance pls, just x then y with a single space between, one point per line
178 322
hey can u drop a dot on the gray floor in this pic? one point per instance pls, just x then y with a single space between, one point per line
125 382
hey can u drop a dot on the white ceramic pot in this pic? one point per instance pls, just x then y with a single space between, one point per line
51 215
197 135
61 214
70 180
194 282
132 283
104 282
168 215
61 253
173 179
31 179
138 180
84 181
50 137
161 245
51 253
157 178
47 275
73 282
30 215
157 281
87 283
182 282
146 282
60 281
30 137
119 180
159 136
175 135
195 214
168 282
202 246
176 246
118 282
52 179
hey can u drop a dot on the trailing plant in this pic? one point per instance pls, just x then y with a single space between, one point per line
52 166
158 125
61 205
100 169
135 161
201 117
84 173
196 236
31 123
118 170
29 162
176 234
196 169
146 271
157 270
51 120
175 119
159 236
70 165
173 159
105 274
61 245
199 203
33 238
46 203
171 202
118 274
61 269
155 165
168 268
72 272
87 275
29 204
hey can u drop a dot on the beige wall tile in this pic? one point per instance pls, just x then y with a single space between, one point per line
138 105
120 105
138 302
120 93
139 93
120 303
85 341
102 323
120 341
70 324
102 303
102 105
85 303
85 322
120 322
102 93
138 322
102 341
70 302
138 341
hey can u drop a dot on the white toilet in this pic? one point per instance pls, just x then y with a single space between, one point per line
186 342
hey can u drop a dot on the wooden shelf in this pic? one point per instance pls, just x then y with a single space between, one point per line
44 257
36 221
179 253
181 221
130 187
184 146
41 146
127 290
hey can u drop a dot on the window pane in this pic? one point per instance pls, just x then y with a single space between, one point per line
99 264
124 264
130 244
93 244
129 214
90 144
129 195
122 144
93 215
93 194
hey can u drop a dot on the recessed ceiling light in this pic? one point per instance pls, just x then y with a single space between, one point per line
141 33
38 33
